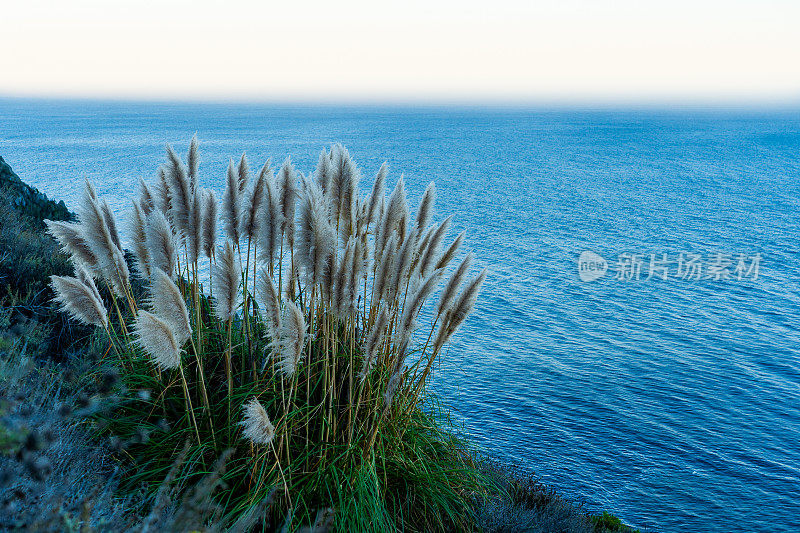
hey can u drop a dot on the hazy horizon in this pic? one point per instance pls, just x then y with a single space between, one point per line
519 52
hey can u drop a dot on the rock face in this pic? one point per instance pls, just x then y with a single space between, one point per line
29 200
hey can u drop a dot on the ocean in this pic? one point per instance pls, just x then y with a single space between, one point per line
667 390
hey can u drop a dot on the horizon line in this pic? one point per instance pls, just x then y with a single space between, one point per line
606 102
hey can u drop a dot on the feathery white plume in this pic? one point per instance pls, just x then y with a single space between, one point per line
243 174
287 197
195 229
341 301
376 197
157 338
110 260
291 338
394 217
192 162
402 266
272 306
139 230
111 222
209 222
70 236
162 197
232 206
167 302
271 222
181 194
428 256
146 200
459 311
161 243
322 174
226 274
251 223
257 426
317 239
451 251
374 341
449 293
80 300
425 209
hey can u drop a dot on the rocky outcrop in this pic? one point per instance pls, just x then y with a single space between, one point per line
29 200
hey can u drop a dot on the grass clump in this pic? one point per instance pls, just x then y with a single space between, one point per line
295 373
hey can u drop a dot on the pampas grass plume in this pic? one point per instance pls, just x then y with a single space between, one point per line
272 306
80 300
167 302
181 193
377 195
257 426
271 216
451 251
161 243
251 223
70 236
110 260
157 338
111 222
232 205
428 257
425 209
226 274
139 230
448 295
461 308
291 338
192 162
243 174
209 222
287 196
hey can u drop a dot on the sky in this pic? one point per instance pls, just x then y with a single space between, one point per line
373 50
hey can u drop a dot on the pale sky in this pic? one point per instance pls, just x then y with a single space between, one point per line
441 50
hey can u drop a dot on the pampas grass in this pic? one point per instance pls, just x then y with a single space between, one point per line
70 236
425 209
327 300
195 230
157 338
226 276
181 194
256 423
111 222
287 199
291 336
232 205
139 231
97 234
167 302
209 222
80 300
161 243
251 223
457 313
272 305
271 223
193 162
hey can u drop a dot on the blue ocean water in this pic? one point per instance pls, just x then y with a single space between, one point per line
673 403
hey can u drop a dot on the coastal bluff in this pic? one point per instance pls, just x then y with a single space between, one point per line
29 200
